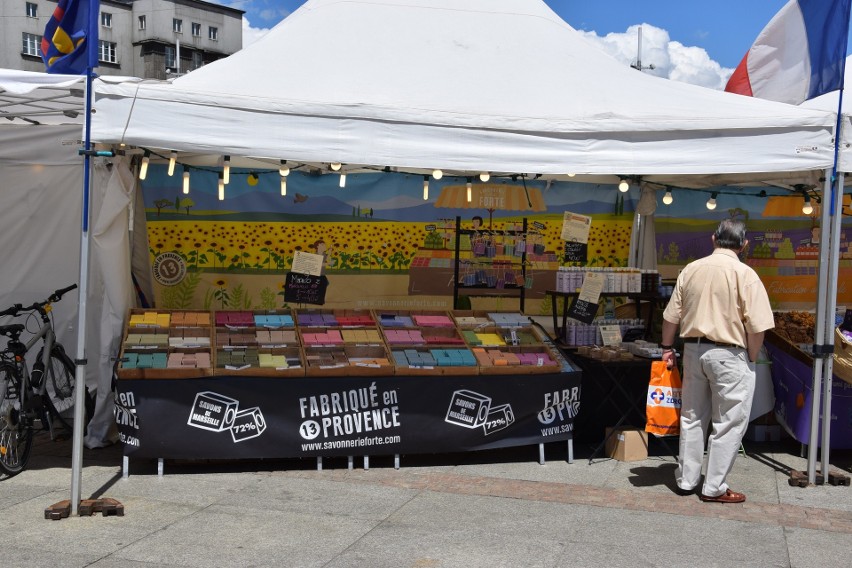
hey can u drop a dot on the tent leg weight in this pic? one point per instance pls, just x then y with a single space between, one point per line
106 506
58 511
836 478
800 478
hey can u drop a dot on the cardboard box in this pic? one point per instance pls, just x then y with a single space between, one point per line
627 444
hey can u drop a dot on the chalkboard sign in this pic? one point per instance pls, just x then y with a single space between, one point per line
582 310
305 288
576 252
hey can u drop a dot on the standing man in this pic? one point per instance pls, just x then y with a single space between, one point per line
722 310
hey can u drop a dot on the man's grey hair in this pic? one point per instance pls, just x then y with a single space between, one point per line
731 234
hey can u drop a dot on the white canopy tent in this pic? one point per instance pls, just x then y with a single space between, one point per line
479 85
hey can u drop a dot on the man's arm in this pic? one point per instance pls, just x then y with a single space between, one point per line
669 332
755 342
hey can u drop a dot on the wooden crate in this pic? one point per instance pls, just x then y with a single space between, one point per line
552 366
256 370
163 373
341 361
431 370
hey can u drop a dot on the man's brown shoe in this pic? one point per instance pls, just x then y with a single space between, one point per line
726 497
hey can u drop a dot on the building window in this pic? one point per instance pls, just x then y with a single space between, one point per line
32 10
107 52
213 33
31 44
170 57
143 22
106 19
177 25
196 29
197 59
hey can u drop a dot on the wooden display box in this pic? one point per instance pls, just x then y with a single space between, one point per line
184 337
163 373
411 314
471 319
279 312
431 370
550 365
176 318
493 336
256 370
338 361
335 318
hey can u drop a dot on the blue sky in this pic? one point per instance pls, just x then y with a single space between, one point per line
699 42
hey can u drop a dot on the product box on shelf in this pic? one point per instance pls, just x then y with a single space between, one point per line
348 360
163 363
500 336
274 319
413 318
471 319
269 362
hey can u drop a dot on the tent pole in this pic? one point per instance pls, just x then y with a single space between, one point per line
823 284
830 309
80 359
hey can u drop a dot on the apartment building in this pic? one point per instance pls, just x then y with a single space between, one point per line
153 39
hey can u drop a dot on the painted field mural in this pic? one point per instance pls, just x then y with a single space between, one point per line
783 241
385 246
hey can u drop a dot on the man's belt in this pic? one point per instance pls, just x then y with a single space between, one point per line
705 341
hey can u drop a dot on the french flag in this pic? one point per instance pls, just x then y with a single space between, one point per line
799 55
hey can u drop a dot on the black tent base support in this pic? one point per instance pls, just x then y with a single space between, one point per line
106 506
800 478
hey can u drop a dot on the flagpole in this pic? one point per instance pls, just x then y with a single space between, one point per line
823 375
80 359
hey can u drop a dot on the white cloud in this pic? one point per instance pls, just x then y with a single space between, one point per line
250 34
671 59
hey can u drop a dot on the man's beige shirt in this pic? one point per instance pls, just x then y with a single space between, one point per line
719 298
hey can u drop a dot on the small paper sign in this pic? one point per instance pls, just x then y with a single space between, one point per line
611 335
307 263
593 284
575 228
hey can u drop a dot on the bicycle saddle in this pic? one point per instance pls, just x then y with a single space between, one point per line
12 330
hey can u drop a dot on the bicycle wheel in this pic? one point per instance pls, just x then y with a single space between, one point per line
16 431
59 387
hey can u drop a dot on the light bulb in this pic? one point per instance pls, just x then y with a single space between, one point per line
226 170
143 169
623 186
283 186
284 169
484 176
172 160
437 174
667 198
186 179
807 208
335 166
342 180
221 187
711 203
469 191
425 188
571 175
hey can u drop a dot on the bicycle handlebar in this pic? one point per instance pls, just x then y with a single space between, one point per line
39 306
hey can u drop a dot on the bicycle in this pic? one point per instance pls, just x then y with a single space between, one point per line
41 392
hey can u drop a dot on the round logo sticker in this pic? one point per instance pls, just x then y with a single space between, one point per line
169 268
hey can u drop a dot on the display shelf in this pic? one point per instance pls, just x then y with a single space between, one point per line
638 297
484 274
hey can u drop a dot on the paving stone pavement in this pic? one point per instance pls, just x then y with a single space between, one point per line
495 508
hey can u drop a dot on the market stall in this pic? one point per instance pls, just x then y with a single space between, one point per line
241 384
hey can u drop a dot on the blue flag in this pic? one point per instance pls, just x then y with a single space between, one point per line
70 41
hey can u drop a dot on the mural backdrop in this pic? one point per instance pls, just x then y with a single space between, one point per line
385 246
